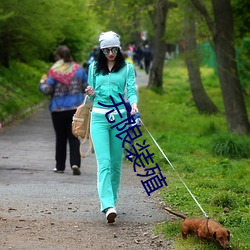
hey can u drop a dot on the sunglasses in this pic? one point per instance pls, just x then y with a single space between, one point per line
106 51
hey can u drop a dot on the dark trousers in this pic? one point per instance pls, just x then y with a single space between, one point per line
62 122
147 65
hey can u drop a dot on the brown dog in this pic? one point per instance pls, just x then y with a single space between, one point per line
204 228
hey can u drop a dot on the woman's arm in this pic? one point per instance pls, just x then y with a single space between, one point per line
131 89
90 88
46 85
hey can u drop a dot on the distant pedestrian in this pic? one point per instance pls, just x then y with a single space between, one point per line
128 59
93 55
138 55
147 54
65 84
107 78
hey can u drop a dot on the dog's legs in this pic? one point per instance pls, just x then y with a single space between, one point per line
184 235
201 242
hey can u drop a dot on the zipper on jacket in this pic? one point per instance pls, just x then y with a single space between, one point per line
109 83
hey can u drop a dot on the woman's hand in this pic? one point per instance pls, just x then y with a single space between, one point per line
43 79
134 109
90 91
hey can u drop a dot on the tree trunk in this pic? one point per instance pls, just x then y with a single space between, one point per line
235 109
159 47
223 38
201 99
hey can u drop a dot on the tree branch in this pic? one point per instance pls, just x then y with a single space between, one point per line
202 9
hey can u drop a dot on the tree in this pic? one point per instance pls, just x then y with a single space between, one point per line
201 99
28 33
128 17
159 44
223 38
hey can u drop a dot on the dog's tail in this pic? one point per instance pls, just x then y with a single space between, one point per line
175 213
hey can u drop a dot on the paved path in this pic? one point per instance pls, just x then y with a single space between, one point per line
141 78
31 191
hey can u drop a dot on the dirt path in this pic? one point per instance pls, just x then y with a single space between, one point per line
43 210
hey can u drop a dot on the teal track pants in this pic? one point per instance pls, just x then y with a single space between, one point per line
108 151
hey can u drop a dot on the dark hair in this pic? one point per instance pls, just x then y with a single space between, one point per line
102 67
64 53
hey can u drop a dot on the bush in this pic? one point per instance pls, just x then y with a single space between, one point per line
223 200
231 146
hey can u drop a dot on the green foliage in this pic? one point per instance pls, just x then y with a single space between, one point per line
210 129
28 33
175 24
208 58
231 146
175 28
19 87
128 18
170 230
224 200
243 59
241 17
219 183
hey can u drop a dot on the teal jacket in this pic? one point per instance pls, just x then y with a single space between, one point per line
112 84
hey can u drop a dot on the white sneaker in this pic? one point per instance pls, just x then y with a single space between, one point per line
58 171
111 214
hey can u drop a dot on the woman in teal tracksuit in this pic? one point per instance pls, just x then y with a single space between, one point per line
109 76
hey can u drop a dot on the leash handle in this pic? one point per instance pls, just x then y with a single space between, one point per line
174 170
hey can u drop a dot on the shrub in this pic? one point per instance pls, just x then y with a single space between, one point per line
224 200
231 146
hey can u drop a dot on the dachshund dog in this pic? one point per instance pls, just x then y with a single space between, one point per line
204 229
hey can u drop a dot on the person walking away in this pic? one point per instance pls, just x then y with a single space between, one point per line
92 56
66 83
108 77
139 55
147 54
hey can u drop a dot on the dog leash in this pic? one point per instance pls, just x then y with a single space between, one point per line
175 170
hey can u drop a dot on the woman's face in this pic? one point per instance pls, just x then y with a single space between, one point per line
110 53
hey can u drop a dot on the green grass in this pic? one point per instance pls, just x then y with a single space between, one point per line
214 164
19 88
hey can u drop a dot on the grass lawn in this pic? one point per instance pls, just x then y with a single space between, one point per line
214 164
